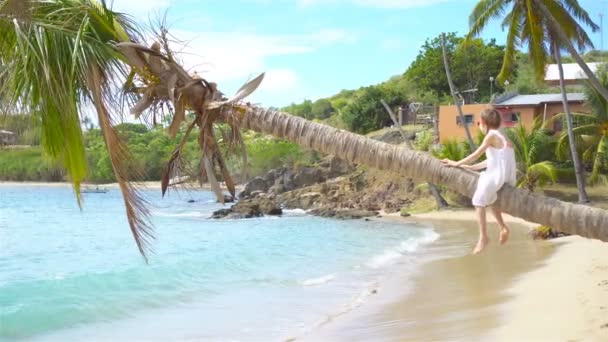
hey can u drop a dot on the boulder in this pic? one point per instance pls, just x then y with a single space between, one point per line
221 213
256 184
343 214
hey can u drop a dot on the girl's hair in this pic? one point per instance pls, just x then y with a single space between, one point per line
491 117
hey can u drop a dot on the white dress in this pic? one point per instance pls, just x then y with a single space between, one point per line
501 169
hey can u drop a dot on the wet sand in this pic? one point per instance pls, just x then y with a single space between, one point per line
523 291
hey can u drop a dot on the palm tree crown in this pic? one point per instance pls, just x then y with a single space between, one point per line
528 26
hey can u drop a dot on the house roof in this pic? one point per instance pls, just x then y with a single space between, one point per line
537 99
572 72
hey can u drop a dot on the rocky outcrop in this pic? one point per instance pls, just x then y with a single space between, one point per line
249 208
332 188
283 180
343 214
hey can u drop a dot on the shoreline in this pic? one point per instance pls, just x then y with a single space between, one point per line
526 290
151 185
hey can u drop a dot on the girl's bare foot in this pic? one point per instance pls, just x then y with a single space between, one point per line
481 244
504 235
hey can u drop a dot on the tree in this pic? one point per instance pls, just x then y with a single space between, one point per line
472 66
457 103
592 131
57 57
566 217
303 110
545 26
321 109
160 69
533 149
365 112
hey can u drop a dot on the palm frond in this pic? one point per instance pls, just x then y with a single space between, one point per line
483 12
569 24
544 171
513 42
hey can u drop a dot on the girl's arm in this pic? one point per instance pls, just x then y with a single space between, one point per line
471 158
479 166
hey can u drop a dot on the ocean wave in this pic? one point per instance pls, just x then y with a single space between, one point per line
294 212
410 245
318 281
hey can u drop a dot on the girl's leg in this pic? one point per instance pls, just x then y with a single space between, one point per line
504 229
483 232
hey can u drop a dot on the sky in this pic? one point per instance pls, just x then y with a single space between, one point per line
310 49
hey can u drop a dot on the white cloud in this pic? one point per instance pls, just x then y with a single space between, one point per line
279 80
234 57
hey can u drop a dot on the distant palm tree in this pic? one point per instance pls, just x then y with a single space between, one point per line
545 26
592 131
532 148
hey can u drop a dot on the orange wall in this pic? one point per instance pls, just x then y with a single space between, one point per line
449 129
528 114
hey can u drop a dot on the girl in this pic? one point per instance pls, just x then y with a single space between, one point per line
500 169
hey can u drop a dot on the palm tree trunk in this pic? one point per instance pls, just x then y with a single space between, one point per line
441 202
563 38
453 91
578 167
565 217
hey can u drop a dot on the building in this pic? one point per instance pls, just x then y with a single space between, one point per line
7 138
513 108
573 74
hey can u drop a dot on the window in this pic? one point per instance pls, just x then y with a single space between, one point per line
510 117
468 118
515 116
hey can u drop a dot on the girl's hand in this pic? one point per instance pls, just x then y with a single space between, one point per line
449 162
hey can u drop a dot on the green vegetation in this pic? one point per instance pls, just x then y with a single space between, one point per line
150 150
534 148
472 63
592 132
28 164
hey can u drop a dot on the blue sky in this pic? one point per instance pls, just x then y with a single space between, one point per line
311 48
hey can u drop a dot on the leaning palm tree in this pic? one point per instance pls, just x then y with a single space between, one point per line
545 26
85 53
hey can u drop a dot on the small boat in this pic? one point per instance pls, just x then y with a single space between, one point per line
96 190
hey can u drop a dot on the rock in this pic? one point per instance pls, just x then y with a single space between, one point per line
228 199
256 194
247 209
339 167
404 213
394 137
218 214
307 176
270 207
277 188
191 201
256 184
272 175
343 214
308 199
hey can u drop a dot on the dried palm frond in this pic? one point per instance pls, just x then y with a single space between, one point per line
160 79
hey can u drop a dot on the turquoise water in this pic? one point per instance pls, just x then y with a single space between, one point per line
67 274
